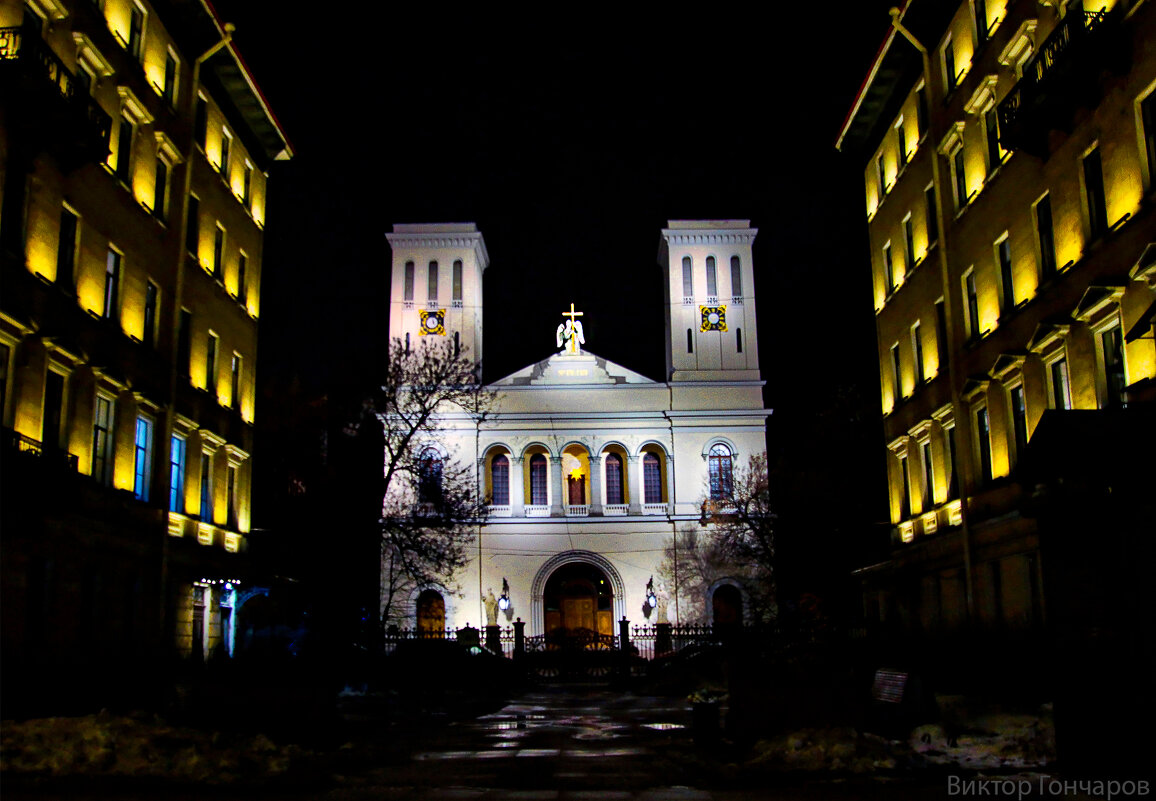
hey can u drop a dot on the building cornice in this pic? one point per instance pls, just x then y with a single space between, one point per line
709 237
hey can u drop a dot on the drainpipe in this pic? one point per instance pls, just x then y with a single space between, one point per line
961 421
178 294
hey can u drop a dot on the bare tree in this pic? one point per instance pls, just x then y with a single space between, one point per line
431 506
742 533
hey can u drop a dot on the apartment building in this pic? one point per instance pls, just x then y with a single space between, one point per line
135 147
1009 176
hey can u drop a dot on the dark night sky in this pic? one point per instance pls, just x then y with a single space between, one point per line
570 148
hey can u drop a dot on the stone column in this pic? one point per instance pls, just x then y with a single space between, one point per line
670 485
517 488
633 475
555 467
595 499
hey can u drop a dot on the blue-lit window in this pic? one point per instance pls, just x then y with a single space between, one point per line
143 461
177 474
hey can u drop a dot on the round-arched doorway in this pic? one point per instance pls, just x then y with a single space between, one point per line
430 614
578 596
727 603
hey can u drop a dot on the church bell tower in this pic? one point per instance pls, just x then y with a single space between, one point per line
436 285
709 296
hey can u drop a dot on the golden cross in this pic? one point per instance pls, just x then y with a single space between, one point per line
572 314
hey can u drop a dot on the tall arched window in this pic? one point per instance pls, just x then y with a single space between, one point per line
719 462
651 479
687 278
614 479
711 277
429 477
433 281
457 281
500 481
538 480
736 277
408 288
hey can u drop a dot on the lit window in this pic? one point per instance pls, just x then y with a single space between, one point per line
124 138
193 226
429 477
111 284
901 144
1046 238
177 474
971 298
235 383
226 146
1007 288
930 220
908 242
538 480
1148 130
242 285
959 178
983 443
201 121
651 479
207 487
500 481
102 428
614 493
161 189
66 247
143 461
1059 391
136 31
917 350
219 253
896 380
1094 194
721 477
949 74
211 345
1019 419
169 90
152 299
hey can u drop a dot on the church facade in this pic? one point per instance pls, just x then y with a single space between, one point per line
589 469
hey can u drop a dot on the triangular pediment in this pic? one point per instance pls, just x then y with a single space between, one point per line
564 369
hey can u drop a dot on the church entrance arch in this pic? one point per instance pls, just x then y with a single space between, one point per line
431 614
728 605
577 590
577 596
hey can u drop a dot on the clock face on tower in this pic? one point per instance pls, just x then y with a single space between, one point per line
433 323
714 318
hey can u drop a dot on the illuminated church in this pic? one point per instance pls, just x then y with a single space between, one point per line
590 468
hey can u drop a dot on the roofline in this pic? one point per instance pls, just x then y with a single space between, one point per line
287 152
870 77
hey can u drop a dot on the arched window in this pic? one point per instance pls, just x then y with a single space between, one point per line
711 277
538 480
614 479
736 277
408 288
457 280
651 479
429 477
687 278
500 481
719 462
433 281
